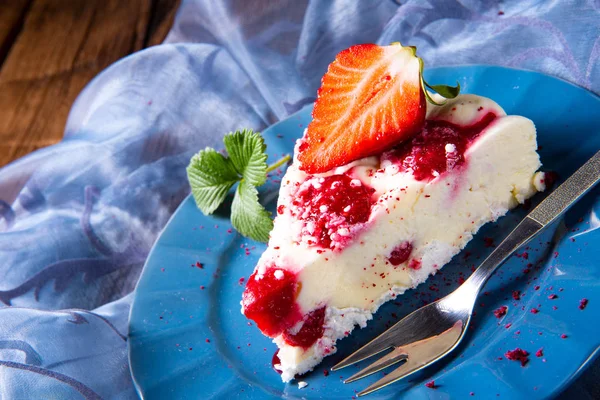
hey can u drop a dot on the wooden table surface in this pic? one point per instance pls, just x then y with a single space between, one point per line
50 49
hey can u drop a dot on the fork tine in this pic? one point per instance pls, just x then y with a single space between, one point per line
404 370
391 358
419 355
397 335
375 346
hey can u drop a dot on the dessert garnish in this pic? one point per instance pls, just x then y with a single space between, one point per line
371 99
212 175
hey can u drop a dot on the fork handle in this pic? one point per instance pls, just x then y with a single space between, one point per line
544 214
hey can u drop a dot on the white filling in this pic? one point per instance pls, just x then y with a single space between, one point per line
438 218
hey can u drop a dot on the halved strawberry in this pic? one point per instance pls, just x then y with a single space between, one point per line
371 98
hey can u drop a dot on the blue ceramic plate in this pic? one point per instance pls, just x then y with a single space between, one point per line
188 339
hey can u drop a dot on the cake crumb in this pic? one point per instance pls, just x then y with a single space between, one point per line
518 354
500 312
540 352
431 385
302 385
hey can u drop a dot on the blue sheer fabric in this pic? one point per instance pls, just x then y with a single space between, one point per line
78 219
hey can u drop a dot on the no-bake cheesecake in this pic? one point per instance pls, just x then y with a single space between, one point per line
385 188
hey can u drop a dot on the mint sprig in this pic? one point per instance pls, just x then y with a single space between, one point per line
212 175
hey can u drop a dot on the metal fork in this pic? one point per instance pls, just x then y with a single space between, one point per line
431 332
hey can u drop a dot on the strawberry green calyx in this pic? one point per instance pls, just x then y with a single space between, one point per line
446 91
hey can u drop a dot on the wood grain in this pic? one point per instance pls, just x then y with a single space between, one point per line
58 47
163 14
12 14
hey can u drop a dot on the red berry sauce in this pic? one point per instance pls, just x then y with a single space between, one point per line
518 354
401 253
276 361
426 154
271 302
311 331
330 207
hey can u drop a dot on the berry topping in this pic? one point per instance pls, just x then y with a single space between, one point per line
270 300
276 362
401 253
310 332
414 264
439 147
583 304
331 207
370 99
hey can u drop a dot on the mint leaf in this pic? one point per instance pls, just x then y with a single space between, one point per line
248 216
211 176
246 151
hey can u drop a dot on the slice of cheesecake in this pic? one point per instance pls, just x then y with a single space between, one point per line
348 239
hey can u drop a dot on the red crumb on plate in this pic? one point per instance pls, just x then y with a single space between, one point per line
488 242
518 354
500 312
540 352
